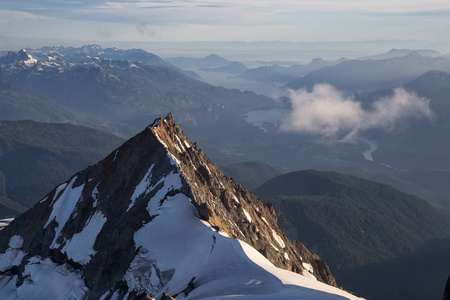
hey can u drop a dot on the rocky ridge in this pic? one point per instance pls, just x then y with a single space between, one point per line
238 213
120 229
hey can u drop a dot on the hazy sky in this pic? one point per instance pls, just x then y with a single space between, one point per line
227 20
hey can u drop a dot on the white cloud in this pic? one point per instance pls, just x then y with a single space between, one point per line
327 112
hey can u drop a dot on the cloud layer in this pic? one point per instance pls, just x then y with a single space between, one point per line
247 20
327 112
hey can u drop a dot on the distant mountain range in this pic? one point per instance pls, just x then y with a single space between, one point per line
234 67
401 52
278 74
211 61
85 53
372 75
123 91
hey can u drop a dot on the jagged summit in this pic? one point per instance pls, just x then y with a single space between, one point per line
208 185
155 216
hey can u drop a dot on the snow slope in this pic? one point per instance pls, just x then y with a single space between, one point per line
223 267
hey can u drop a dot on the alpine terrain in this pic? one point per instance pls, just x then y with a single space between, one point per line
156 216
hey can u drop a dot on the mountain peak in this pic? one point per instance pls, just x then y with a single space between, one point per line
169 118
154 216
317 60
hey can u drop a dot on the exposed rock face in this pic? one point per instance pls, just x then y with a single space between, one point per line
238 213
104 229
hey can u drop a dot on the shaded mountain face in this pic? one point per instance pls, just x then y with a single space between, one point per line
353 218
19 104
34 157
156 216
363 228
8 208
251 174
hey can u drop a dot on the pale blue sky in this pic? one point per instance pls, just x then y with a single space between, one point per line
228 20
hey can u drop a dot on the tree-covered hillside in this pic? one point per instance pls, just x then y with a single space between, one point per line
34 157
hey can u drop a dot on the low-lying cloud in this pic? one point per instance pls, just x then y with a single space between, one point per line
327 112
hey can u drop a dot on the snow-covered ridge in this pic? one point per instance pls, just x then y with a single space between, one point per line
38 62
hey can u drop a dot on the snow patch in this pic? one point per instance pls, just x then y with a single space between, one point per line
58 191
171 182
95 195
45 279
207 168
80 248
144 274
63 208
5 222
177 148
186 144
30 62
308 267
16 242
247 215
142 187
278 239
13 255
105 295
180 143
273 246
